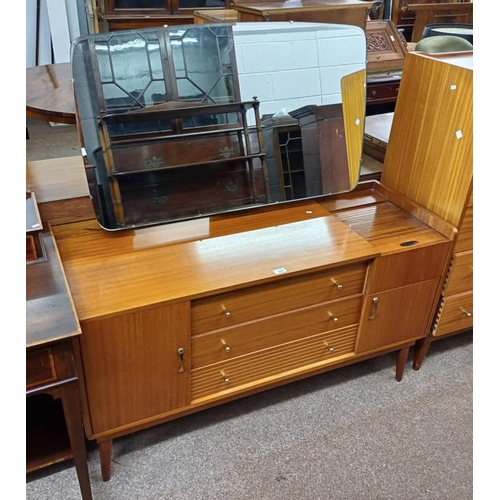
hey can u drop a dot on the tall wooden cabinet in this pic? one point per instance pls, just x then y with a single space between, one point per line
429 161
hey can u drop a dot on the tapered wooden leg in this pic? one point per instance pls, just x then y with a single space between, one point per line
400 362
421 348
105 450
70 400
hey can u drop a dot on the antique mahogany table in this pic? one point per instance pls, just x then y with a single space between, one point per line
49 93
52 329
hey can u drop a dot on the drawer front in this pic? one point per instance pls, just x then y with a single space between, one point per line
232 308
455 314
464 238
174 152
387 92
257 335
460 278
258 366
407 268
164 194
40 367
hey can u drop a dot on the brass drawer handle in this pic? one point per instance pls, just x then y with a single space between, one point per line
374 308
226 313
226 347
329 347
180 351
226 379
337 285
334 318
467 313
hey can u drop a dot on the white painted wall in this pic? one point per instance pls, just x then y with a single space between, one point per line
54 26
290 65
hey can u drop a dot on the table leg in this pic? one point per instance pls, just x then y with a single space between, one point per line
421 348
105 450
70 399
400 362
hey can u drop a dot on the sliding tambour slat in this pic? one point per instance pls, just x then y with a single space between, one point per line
256 366
232 342
232 308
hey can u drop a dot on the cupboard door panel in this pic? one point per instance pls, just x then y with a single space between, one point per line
397 315
132 365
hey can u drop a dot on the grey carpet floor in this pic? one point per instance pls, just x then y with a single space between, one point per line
351 434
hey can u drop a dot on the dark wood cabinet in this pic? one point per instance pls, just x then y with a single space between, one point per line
116 15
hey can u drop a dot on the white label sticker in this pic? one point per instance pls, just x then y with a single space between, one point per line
358 121
280 270
458 133
453 87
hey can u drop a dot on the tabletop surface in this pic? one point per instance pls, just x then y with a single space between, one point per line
49 93
50 313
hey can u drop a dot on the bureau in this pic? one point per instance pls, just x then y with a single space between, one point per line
180 317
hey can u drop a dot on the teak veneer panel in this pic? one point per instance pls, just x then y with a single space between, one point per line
407 307
465 237
109 273
275 298
131 365
278 329
387 227
299 355
455 314
460 274
431 135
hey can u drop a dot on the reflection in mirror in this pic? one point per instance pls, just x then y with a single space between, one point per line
188 121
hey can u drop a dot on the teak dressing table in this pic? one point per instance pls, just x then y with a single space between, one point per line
180 317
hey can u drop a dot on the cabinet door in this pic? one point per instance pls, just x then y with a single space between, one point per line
132 366
396 315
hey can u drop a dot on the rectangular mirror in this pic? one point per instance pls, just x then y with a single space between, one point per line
190 121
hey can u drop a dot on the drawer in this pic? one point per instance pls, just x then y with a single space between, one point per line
459 279
175 151
159 194
455 314
245 338
407 268
288 294
382 92
464 238
40 367
263 365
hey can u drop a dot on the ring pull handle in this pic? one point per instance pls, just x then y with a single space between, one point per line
374 308
329 347
467 313
338 285
180 351
226 379
226 313
226 347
